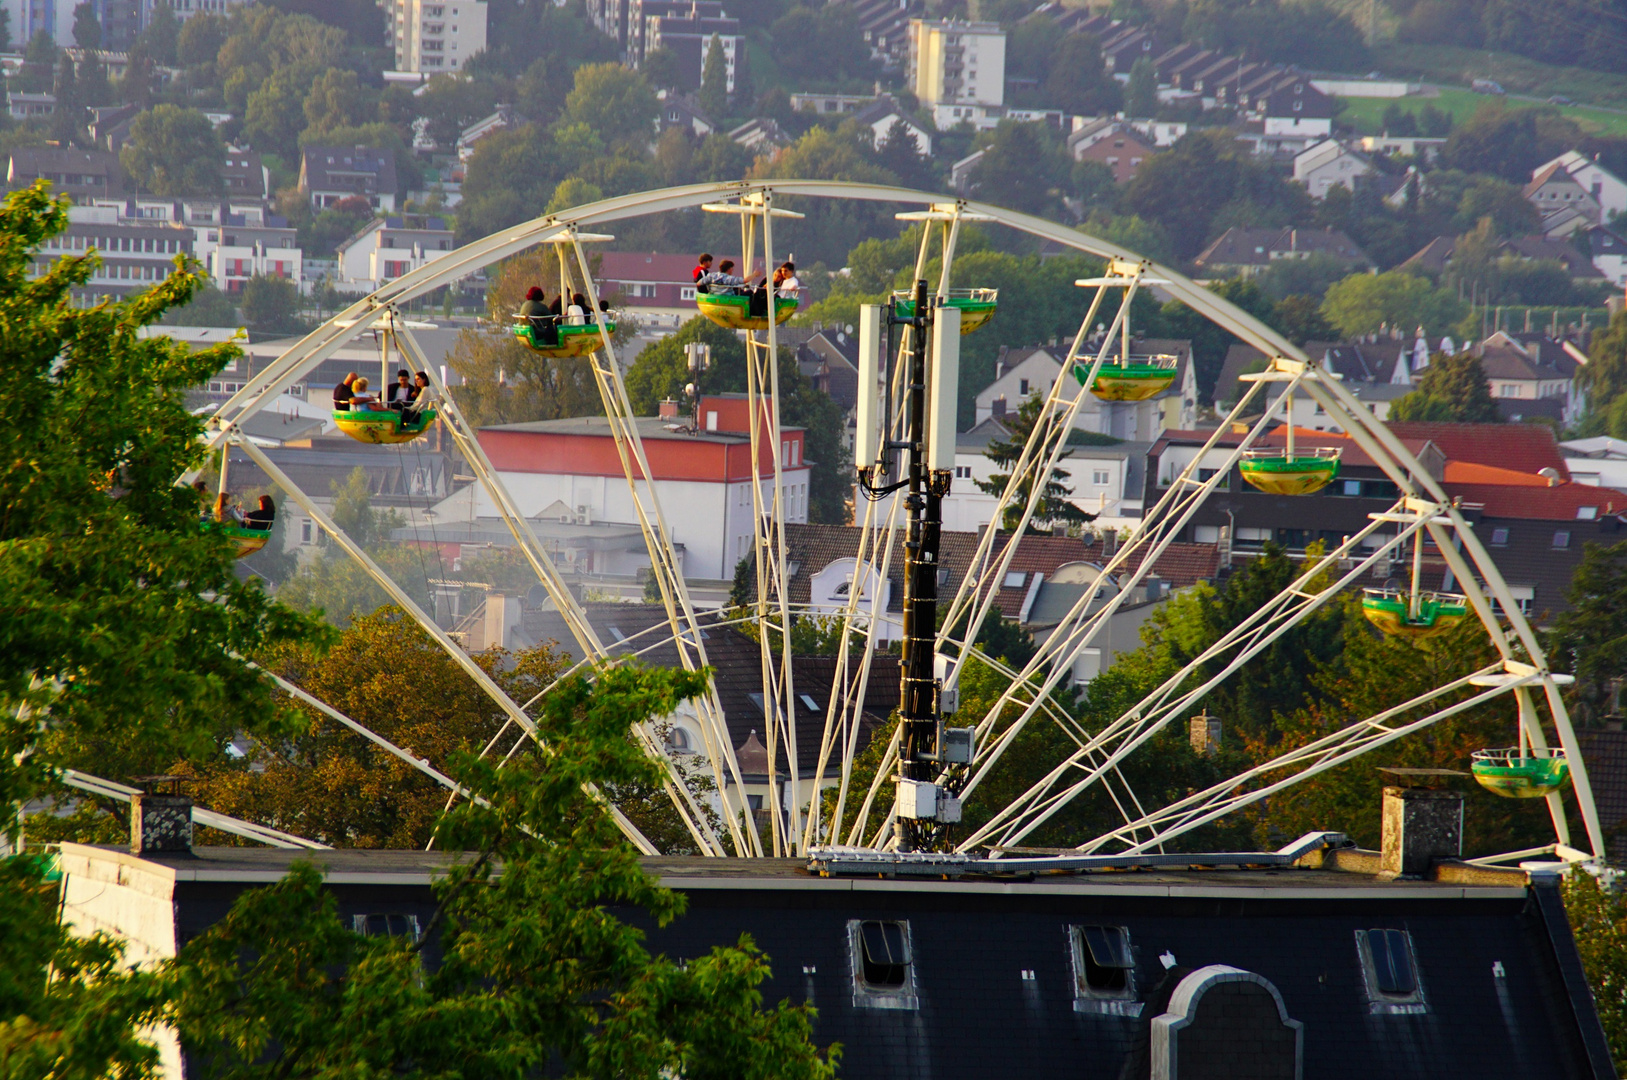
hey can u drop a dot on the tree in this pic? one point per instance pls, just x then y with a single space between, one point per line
660 67
96 516
1024 169
329 785
613 101
39 64
1300 319
271 304
1053 505
5 29
140 80
1362 303
173 151
1208 181
1598 918
162 35
714 91
274 114
87 31
1079 82
1511 213
1605 376
1586 641
1141 92
900 154
536 970
572 191
336 100
1508 142
208 307
1453 389
70 111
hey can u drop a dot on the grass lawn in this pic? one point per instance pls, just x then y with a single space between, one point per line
1366 114
1518 75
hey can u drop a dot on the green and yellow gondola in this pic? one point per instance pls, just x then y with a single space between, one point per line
1518 772
567 341
976 306
247 540
383 427
1391 610
732 311
1286 472
1135 379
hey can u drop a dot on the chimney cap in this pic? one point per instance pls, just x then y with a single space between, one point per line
153 783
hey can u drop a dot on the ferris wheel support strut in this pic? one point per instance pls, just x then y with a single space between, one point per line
459 657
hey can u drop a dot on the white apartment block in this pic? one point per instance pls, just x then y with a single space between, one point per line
436 36
955 62
387 248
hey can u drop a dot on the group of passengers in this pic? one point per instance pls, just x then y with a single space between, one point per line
725 282
228 511
402 396
566 310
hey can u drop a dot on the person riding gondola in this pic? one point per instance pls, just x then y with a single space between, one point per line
400 392
263 517
343 393
544 321
722 281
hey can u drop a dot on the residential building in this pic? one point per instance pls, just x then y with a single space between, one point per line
1330 164
386 248
1609 251
884 25
1531 367
1551 249
1120 146
504 118
21 105
683 111
1375 372
962 171
762 135
1294 107
1249 251
830 104
135 253
1422 147
1602 186
250 242
687 30
1267 957
659 289
1105 481
882 114
827 569
331 174
988 117
1600 461
702 475
1554 191
82 175
244 176
185 9
830 360
957 63
1022 372
641 13
1124 45
435 36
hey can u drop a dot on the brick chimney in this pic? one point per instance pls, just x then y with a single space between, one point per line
1205 734
669 409
999 407
1421 827
160 823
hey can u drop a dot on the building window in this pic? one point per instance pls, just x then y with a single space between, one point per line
678 741
881 954
1205 475
1350 487
1390 972
387 924
1562 540
1022 387
687 292
307 531
1103 969
1015 580
963 472
1499 538
1099 477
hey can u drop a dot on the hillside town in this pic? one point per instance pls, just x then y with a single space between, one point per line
1145 501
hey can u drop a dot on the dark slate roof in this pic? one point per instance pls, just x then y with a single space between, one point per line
1240 246
1575 263
358 169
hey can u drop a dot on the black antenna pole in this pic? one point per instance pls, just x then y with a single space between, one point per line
918 707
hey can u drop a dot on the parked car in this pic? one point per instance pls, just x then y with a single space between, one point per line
1560 99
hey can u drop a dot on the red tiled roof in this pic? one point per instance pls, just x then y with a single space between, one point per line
1526 448
1561 503
1470 472
645 266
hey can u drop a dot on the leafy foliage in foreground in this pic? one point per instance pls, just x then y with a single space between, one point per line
526 963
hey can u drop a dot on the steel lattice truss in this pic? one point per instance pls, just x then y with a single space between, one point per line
1422 509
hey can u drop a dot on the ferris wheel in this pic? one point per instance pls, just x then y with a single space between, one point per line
940 759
